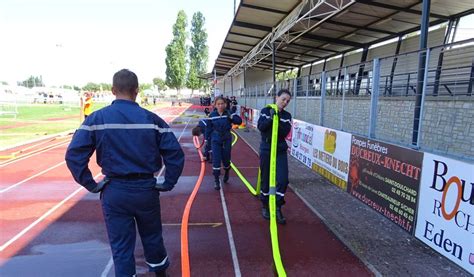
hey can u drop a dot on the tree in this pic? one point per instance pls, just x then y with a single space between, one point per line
176 54
198 52
145 86
105 86
159 83
91 87
32 81
4 83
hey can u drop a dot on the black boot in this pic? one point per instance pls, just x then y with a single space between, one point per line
226 176
217 185
161 274
279 216
266 213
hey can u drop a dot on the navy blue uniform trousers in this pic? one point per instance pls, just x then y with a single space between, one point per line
221 152
281 176
125 202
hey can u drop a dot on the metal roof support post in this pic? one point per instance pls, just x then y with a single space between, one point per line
265 94
245 86
273 68
339 74
423 93
223 91
306 108
374 97
360 73
295 96
343 97
394 65
451 29
421 69
323 97
232 85
469 88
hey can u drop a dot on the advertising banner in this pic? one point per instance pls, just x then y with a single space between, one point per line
302 142
255 116
331 154
445 219
386 178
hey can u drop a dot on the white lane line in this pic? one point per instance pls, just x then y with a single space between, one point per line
108 267
31 177
33 154
50 211
233 250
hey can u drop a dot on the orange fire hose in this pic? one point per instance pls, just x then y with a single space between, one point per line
185 268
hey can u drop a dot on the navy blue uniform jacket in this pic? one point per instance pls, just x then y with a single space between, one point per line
219 126
128 140
265 124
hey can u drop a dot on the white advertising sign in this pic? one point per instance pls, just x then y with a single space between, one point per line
302 142
445 219
332 153
256 115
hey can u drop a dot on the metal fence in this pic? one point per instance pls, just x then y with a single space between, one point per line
379 99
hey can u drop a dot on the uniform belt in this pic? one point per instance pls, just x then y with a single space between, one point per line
133 176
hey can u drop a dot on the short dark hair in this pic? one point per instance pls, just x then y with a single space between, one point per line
125 81
282 91
219 98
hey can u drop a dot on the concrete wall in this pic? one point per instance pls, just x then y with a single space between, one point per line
447 125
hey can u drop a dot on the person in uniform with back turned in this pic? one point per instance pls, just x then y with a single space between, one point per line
265 126
131 145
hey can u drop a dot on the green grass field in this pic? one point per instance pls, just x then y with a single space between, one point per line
38 120
34 121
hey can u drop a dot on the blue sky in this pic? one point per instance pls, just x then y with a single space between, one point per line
77 41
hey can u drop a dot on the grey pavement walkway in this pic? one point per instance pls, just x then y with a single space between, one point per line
383 246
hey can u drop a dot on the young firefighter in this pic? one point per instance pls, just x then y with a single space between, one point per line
131 144
265 123
219 126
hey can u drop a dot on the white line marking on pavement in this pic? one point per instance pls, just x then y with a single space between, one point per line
107 268
50 211
31 177
233 250
33 154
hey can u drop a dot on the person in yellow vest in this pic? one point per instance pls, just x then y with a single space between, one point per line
88 102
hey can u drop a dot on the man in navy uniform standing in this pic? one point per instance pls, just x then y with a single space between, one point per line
131 145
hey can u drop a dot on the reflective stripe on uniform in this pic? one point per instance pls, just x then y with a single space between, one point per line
159 264
217 117
271 191
216 168
264 115
285 120
124 126
280 194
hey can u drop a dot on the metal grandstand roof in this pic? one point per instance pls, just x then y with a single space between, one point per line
305 31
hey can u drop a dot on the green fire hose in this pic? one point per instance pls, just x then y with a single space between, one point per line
272 191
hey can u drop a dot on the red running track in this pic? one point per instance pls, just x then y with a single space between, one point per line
71 240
